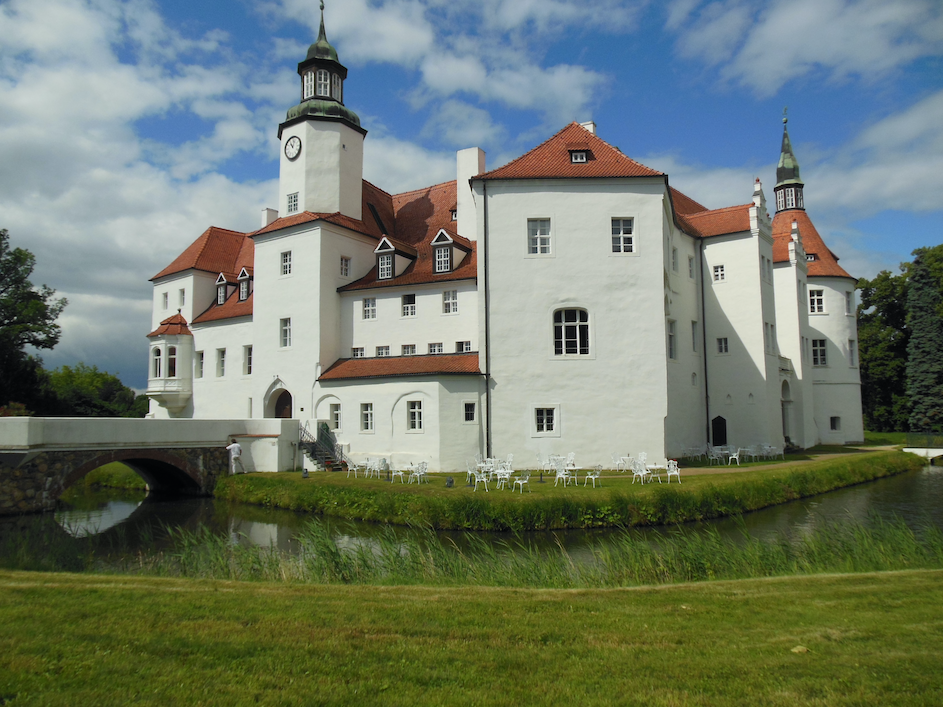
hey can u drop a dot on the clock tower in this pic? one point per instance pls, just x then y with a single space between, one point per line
321 160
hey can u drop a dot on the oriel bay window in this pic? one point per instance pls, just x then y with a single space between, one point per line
571 332
157 363
171 361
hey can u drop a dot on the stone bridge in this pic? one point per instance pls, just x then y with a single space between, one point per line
41 457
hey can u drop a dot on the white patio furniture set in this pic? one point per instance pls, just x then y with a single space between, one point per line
642 471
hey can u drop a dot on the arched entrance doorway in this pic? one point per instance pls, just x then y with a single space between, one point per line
719 431
283 405
786 403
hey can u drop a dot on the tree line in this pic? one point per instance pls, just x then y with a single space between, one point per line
28 317
900 332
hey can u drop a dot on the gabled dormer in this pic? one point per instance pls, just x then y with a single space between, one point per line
447 254
245 281
392 260
224 288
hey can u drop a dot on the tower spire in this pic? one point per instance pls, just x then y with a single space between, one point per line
789 184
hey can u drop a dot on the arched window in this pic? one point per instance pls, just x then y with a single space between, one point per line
324 83
156 363
172 362
571 332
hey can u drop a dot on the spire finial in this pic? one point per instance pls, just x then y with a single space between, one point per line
785 110
322 5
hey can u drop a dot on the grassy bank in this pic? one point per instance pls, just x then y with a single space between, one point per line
616 503
115 475
825 640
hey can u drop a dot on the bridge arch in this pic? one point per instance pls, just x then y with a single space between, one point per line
162 470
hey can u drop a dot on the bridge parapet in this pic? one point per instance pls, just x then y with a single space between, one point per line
41 457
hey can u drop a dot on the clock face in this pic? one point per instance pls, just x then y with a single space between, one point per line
293 147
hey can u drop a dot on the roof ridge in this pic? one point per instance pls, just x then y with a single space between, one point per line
380 189
537 147
698 214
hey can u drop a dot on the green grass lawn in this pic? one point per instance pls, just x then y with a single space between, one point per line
869 639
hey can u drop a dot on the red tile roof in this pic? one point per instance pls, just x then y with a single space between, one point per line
825 263
217 250
732 219
436 364
174 325
683 203
231 308
551 160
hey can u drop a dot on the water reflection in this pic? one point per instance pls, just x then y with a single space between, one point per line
136 524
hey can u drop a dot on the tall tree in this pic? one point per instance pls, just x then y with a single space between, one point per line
27 318
84 391
925 349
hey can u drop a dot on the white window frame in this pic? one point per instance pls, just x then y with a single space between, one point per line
623 237
286 262
674 260
334 415
284 333
408 302
539 420
790 197
409 350
366 418
385 266
383 351
165 300
820 352
369 307
322 83
221 295
414 416
573 334
308 86
198 363
292 203
849 303
463 347
247 360
171 361
720 273
157 368
443 259
780 200
243 290
473 406
337 88
182 297
539 235
357 352
723 346
220 363
672 331
578 157
436 348
691 270
816 301
450 302
345 266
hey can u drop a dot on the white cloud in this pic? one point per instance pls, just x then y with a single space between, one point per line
397 165
765 45
462 125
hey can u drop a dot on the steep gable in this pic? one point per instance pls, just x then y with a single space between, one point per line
825 262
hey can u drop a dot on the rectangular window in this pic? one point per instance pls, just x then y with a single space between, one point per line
577 157
544 419
357 352
165 300
722 347
337 88
247 360
571 332
816 301
672 344
462 346
443 259
308 85
780 201
409 349
335 416
286 263
366 417
198 365
243 290
435 348
221 294
719 274
172 362
385 266
538 236
450 302
345 267
690 267
852 353
674 259
835 424
694 337
220 362
383 351
409 305
470 412
181 297
293 203
622 238
284 327
849 302
818 352
324 82
790 198
370 308
415 415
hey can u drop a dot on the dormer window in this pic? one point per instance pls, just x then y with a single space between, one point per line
810 257
324 83
578 156
308 86
221 294
385 266
454 213
243 290
443 259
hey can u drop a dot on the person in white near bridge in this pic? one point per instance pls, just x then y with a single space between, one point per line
235 456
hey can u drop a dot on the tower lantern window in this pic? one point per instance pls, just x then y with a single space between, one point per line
337 88
309 85
324 83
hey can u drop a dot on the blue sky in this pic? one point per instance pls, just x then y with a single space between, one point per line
129 126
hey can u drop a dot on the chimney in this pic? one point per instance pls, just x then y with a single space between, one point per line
590 125
469 162
268 216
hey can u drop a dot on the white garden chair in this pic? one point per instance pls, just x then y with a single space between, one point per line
618 463
563 474
639 471
481 477
735 455
397 472
673 470
593 475
715 455
521 480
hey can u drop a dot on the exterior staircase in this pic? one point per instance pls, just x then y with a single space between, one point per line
323 449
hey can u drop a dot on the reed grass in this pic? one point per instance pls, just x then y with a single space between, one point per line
625 560
617 503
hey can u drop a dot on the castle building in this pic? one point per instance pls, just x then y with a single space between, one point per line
570 300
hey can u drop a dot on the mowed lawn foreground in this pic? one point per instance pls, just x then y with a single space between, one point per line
862 639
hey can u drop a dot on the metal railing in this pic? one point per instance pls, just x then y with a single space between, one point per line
932 440
323 450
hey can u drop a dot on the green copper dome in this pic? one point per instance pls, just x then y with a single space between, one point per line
322 48
323 108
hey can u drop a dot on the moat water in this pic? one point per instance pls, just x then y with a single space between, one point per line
138 524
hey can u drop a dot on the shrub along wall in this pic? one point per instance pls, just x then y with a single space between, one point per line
456 509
